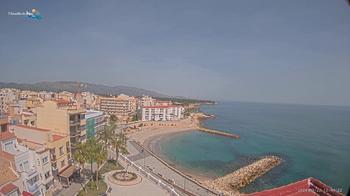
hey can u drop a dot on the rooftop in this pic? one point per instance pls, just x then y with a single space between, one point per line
33 128
8 188
160 106
6 135
306 187
56 137
7 174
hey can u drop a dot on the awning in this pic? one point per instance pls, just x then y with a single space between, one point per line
68 172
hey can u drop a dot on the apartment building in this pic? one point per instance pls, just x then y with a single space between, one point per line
57 145
121 106
162 113
41 158
149 101
64 118
9 177
95 122
22 160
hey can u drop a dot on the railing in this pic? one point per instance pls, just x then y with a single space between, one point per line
151 177
176 171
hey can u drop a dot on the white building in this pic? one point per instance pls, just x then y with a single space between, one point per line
162 113
24 163
41 158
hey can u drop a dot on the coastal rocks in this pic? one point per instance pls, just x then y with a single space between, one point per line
231 183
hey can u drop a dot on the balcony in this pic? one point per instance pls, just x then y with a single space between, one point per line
74 122
53 158
83 122
33 188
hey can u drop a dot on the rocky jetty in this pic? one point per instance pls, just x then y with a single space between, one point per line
200 116
231 183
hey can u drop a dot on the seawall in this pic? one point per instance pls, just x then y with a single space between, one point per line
231 183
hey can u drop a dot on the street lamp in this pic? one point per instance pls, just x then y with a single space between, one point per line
144 157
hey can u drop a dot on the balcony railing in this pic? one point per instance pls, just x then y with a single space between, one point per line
33 188
53 157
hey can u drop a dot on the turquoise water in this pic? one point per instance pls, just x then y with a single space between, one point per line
312 140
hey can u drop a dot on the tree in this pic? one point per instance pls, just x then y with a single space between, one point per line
80 155
113 118
119 143
100 158
107 133
92 150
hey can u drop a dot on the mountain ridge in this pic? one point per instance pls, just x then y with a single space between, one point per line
75 86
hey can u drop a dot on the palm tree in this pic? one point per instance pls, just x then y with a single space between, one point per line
119 143
107 133
100 158
80 155
92 151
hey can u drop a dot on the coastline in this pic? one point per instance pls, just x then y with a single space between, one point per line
152 136
154 144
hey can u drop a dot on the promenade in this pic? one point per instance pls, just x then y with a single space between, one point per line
184 185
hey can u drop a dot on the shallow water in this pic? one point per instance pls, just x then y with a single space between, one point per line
312 140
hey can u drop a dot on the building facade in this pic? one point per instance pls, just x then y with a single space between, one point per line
95 122
22 160
63 118
58 145
121 106
162 113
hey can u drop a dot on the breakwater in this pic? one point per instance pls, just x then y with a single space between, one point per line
199 116
231 183
216 132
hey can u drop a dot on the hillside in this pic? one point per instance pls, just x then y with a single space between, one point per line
82 86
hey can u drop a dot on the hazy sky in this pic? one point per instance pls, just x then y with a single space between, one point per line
267 51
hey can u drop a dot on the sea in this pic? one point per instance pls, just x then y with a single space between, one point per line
313 141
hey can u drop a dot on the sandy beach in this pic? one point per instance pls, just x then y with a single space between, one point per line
151 136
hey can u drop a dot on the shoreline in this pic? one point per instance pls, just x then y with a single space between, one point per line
153 144
152 133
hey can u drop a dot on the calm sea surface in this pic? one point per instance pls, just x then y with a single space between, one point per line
313 141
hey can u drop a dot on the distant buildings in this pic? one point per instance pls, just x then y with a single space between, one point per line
7 96
160 110
121 106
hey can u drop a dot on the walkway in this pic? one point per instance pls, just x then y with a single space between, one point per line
144 159
144 188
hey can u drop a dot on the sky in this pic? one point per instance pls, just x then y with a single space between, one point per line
278 51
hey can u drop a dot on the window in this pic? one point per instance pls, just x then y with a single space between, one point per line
9 146
47 175
61 150
25 165
33 180
62 163
45 160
